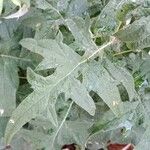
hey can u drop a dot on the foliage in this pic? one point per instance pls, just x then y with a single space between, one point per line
74 71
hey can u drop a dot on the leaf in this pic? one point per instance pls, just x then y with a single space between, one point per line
109 121
37 86
80 95
36 102
33 105
20 142
122 76
145 142
107 22
81 32
63 81
39 139
141 44
144 69
3 123
75 8
72 132
70 87
7 30
62 71
8 86
52 115
136 32
60 54
97 78
126 8
43 4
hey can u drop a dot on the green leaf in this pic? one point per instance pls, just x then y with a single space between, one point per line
3 123
142 43
122 76
32 106
43 4
36 102
107 22
81 32
105 80
141 11
97 78
145 140
136 32
75 8
126 8
39 139
144 69
60 54
38 83
46 89
72 132
63 72
52 115
8 86
78 93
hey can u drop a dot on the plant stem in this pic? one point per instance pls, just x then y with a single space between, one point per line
63 121
22 77
124 52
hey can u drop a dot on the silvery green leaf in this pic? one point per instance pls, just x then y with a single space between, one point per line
97 78
81 31
8 86
107 22
72 132
33 105
136 31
